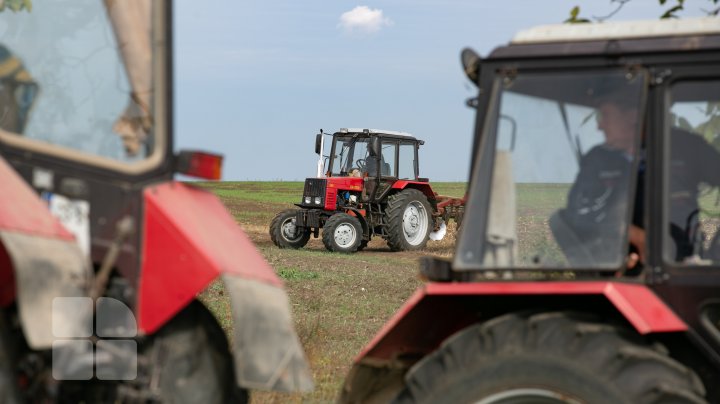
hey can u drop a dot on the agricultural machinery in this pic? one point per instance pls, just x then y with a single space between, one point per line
371 187
587 269
102 253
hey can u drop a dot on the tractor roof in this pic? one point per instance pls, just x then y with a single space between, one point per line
381 132
691 34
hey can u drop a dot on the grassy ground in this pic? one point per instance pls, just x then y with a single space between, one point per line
338 301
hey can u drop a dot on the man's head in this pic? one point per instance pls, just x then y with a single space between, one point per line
619 122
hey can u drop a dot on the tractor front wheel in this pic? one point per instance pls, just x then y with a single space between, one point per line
549 358
409 220
342 233
284 233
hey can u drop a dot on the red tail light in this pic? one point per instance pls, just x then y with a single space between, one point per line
200 164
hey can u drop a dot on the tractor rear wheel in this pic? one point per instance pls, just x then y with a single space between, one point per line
187 361
549 358
409 217
195 362
342 233
285 234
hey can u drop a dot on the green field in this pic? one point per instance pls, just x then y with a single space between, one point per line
339 301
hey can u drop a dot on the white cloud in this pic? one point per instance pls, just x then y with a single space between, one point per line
363 19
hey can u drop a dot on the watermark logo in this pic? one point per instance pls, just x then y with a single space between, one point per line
88 345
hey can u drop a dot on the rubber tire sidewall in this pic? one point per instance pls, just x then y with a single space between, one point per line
197 364
572 353
276 231
397 203
332 223
504 374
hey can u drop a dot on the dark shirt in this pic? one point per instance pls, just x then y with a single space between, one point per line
597 200
597 203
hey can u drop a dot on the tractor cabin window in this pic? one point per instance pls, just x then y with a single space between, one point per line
406 164
387 163
352 157
76 80
693 174
560 153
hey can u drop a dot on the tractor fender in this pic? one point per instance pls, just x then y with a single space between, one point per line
423 187
189 240
39 262
361 217
438 310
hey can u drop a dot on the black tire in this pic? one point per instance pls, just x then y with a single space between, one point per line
187 361
409 220
549 358
363 244
9 392
281 225
342 233
195 362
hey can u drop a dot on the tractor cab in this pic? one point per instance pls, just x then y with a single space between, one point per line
90 213
373 153
587 268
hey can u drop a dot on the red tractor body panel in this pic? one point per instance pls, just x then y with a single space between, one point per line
189 240
335 184
22 211
408 330
7 279
424 187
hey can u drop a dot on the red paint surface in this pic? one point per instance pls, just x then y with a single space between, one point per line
424 187
335 184
189 238
22 210
7 279
638 304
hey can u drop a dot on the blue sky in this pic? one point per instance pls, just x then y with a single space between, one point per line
256 80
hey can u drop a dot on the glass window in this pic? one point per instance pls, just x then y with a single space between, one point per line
387 163
693 201
564 147
406 166
352 157
76 74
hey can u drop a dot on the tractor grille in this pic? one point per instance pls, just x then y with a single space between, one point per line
314 187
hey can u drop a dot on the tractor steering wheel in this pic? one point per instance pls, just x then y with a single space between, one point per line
360 163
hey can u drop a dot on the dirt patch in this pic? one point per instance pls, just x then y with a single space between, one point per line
339 301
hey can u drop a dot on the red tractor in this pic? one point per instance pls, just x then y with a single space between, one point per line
370 188
587 269
93 226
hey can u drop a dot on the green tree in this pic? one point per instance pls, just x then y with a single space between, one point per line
670 8
16 5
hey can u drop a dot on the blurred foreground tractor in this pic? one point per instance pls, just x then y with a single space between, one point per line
370 188
587 269
102 254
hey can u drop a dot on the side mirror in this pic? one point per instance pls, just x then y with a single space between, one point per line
318 140
375 146
471 64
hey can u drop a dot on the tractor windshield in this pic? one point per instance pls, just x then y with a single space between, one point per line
553 180
77 80
350 155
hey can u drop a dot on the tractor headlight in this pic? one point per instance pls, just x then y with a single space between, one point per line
308 200
318 200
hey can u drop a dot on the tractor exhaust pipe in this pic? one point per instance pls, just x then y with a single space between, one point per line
319 147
